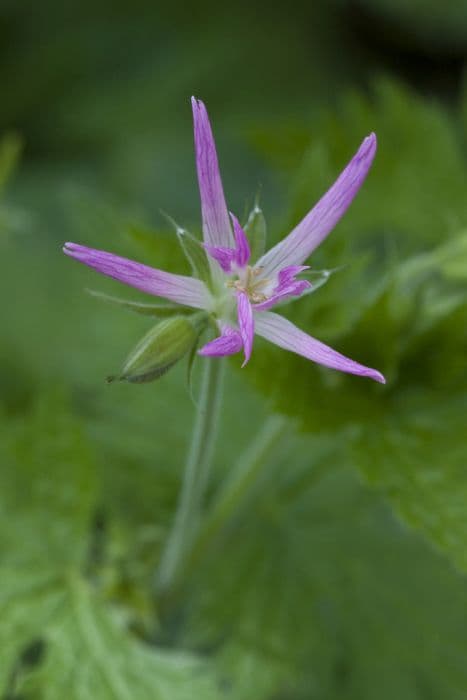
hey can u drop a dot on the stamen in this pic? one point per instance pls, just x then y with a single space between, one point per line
260 283
249 285
257 297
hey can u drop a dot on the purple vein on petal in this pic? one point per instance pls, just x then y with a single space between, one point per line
286 335
246 324
287 286
183 290
216 225
294 289
228 343
224 256
308 234
242 247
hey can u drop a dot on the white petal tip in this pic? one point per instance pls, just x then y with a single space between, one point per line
196 103
68 248
247 358
371 141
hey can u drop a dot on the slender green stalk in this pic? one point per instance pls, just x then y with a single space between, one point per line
242 476
195 477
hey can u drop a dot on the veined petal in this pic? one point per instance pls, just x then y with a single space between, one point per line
216 225
294 289
242 247
228 343
224 256
287 286
316 225
184 290
246 324
283 333
288 274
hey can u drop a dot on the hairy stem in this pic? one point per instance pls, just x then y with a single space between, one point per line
195 477
242 476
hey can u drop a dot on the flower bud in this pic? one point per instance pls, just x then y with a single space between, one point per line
163 346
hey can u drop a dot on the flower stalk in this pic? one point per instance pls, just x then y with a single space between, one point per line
228 501
195 477
239 482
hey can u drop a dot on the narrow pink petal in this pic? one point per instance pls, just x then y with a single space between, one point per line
241 243
293 289
283 333
183 290
228 343
316 225
287 274
224 256
287 286
246 324
216 225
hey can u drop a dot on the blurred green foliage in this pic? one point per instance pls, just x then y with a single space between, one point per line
402 301
324 582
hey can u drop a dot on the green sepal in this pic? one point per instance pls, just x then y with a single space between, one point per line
160 349
255 229
194 251
318 278
143 308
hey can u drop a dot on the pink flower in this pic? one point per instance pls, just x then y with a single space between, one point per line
242 291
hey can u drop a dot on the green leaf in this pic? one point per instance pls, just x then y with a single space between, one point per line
74 624
408 441
399 305
416 457
388 219
58 632
47 498
47 484
111 664
321 588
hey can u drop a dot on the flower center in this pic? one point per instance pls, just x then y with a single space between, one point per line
249 283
